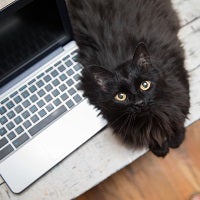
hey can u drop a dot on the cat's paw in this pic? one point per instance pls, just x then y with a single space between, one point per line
176 140
160 151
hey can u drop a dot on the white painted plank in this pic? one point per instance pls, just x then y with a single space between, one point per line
190 37
187 10
5 3
103 155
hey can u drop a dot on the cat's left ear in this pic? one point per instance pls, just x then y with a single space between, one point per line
141 56
101 76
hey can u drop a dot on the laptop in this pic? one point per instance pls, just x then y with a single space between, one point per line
43 115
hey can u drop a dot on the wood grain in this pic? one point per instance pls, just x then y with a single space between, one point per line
176 177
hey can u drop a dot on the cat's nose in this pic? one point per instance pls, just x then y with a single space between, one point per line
139 103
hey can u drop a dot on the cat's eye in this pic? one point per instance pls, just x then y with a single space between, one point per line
145 85
121 97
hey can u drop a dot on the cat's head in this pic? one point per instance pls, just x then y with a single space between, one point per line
132 87
144 99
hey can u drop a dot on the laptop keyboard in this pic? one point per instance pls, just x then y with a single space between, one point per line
33 106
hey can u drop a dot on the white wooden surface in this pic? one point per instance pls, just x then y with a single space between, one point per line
5 3
104 154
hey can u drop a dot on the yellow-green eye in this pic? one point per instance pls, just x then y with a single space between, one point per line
120 97
145 85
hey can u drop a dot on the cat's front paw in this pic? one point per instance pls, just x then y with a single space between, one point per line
178 137
160 151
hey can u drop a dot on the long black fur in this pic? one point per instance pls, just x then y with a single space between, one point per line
122 43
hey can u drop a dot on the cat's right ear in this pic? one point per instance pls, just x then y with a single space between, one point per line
101 76
141 56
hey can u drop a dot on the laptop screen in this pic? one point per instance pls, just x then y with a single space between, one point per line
28 32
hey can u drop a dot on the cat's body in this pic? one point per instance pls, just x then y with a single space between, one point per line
126 46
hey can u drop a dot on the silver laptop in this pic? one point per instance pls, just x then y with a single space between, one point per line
43 115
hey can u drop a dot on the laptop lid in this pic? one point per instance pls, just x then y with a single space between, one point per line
30 30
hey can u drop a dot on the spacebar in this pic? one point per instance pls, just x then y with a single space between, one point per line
50 118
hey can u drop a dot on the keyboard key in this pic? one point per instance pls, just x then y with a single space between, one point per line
33 109
41 93
27 124
46 121
18 120
17 99
75 58
77 98
5 151
61 68
48 88
58 63
3 131
71 91
70 72
77 67
25 94
22 88
69 63
19 130
76 77
11 136
33 98
41 103
13 94
4 100
55 93
3 142
25 114
62 87
32 81
18 109
48 98
56 82
10 104
48 70
3 120
32 89
42 113
78 86
35 118
10 126
19 141
64 96
57 102
66 57
63 77
2 110
70 82
11 114
49 107
70 104
47 78
40 83
40 75
54 73
26 103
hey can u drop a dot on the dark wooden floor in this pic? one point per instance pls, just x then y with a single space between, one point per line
176 177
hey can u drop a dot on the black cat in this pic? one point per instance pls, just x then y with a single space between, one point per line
134 68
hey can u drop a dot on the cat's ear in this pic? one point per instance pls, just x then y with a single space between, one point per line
101 76
141 56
